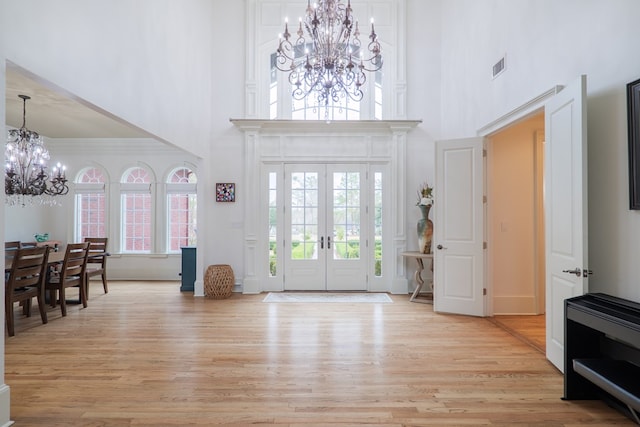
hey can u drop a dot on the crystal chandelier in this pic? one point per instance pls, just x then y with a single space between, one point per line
328 59
25 177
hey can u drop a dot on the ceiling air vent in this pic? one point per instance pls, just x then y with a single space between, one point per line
498 67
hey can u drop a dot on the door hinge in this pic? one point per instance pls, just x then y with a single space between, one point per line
484 291
484 153
484 199
484 245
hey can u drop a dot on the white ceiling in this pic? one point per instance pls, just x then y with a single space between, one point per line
55 114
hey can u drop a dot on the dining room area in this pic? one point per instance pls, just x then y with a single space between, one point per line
50 274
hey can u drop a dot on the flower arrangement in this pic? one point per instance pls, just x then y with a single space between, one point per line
425 195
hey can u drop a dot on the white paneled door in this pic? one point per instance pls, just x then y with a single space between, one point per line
565 209
458 230
325 227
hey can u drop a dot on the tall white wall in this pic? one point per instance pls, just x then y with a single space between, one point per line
423 41
550 42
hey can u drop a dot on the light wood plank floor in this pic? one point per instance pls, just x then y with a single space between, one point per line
146 355
530 329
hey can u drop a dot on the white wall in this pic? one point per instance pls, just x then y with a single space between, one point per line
550 42
423 102
149 62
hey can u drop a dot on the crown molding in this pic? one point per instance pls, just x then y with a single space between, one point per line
322 126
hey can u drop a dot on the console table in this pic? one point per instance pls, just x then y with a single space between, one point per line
419 257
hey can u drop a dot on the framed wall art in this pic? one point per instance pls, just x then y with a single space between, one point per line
633 124
225 192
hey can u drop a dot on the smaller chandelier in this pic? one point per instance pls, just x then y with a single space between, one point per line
25 177
327 58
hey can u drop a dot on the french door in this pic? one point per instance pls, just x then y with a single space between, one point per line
325 228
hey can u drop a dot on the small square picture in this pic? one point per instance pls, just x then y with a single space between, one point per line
226 192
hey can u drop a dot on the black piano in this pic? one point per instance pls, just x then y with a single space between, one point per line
602 351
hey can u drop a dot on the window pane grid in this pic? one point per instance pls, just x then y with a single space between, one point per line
377 225
137 222
136 212
182 221
273 224
304 215
181 210
346 215
90 205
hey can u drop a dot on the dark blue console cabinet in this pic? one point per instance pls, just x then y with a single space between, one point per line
188 268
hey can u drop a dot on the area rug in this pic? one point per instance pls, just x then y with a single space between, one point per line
328 297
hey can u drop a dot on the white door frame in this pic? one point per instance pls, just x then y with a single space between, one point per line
526 110
559 285
321 268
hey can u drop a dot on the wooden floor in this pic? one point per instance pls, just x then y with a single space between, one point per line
530 329
146 355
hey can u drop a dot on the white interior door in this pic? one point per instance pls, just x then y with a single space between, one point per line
459 227
565 209
325 240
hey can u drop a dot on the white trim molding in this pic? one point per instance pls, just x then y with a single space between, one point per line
277 142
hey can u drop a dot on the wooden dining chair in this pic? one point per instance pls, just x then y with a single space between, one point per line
71 274
10 248
26 281
12 245
97 260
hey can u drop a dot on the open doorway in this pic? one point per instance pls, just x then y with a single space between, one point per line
515 228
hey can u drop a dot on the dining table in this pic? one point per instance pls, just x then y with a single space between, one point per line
55 257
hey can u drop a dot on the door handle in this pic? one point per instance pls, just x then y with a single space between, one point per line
440 247
575 271
322 242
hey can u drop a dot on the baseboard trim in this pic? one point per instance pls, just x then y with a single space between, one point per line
5 406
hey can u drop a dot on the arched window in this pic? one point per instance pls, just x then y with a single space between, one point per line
181 209
136 211
345 108
90 204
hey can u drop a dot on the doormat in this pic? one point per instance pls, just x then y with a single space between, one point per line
327 297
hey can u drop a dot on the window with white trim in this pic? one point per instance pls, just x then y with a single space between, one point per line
370 106
181 209
90 204
136 211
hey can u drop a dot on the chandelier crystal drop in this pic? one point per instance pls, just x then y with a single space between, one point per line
327 58
25 178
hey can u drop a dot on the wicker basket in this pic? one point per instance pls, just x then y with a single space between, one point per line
218 281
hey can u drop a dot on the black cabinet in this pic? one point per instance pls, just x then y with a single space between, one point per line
188 268
602 351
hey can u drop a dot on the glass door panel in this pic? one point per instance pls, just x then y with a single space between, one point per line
304 259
